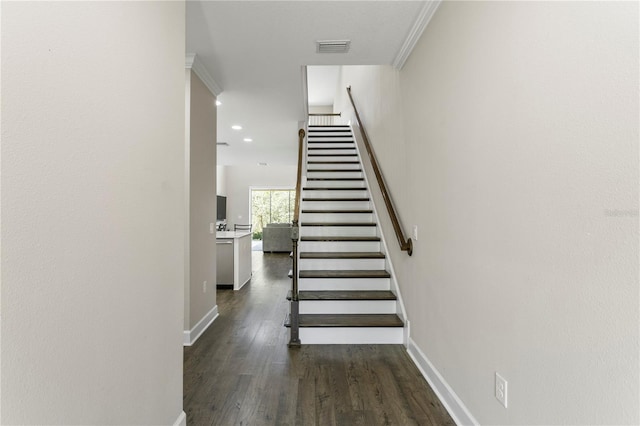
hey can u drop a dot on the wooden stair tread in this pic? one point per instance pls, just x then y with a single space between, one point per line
339 188
338 224
348 320
346 295
335 199
333 155
319 126
334 179
318 148
334 170
354 273
351 295
338 211
342 255
314 136
333 162
338 238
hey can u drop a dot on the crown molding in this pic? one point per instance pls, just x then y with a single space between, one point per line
425 15
193 63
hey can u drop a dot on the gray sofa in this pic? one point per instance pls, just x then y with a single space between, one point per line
276 237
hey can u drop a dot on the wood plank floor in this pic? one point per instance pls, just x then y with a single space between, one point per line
241 372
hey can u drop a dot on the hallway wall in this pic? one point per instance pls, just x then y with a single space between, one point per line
517 157
92 212
202 205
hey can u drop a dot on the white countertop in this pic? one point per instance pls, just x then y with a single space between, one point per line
232 234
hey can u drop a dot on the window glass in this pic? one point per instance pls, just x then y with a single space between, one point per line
271 206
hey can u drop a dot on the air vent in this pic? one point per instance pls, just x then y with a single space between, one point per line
333 46
222 144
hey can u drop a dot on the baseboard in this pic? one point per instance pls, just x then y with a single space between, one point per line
456 408
190 336
181 420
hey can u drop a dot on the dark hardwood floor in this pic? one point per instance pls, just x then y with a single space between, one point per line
241 372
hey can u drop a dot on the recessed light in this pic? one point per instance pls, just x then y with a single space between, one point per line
248 140
236 127
218 103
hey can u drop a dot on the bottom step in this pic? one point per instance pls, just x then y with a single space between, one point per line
344 329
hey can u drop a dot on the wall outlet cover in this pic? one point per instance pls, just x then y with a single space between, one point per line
501 390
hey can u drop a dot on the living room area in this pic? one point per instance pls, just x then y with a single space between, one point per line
263 196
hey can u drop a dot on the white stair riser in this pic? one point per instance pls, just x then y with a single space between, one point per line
334 231
351 336
334 175
341 193
347 306
329 151
329 156
319 129
335 183
332 145
336 217
333 136
313 135
333 166
346 231
329 246
334 204
357 284
341 264
339 136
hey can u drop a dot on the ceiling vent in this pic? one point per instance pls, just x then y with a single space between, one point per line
333 46
222 144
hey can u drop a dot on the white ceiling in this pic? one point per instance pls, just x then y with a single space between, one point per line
255 51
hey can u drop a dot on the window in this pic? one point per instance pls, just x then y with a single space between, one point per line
271 206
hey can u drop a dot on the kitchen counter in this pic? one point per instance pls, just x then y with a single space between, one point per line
233 258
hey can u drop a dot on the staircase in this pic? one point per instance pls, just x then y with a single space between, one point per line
345 292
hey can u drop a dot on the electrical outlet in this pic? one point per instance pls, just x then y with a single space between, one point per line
415 232
204 287
501 390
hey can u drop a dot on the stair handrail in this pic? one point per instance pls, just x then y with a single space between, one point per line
294 339
405 243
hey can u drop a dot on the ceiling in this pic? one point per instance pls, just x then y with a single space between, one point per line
255 50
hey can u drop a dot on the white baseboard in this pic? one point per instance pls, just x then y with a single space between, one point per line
181 420
190 336
456 408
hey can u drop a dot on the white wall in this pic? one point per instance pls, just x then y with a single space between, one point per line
320 109
241 178
221 180
519 164
201 298
92 212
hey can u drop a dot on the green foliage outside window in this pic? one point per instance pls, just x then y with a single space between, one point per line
271 206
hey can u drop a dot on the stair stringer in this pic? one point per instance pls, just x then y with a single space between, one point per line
395 288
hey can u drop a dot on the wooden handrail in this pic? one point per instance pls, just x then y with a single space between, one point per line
405 243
